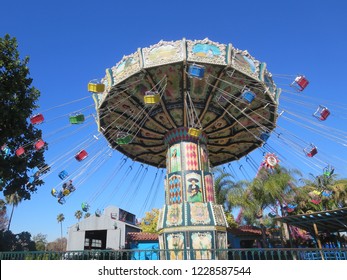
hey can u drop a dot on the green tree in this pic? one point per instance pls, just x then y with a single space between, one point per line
12 199
222 185
78 215
268 190
17 102
16 242
150 221
60 219
321 193
40 241
57 245
3 215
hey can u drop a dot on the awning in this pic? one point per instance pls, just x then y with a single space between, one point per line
326 221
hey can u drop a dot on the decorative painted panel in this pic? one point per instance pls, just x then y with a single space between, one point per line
209 189
175 189
202 242
199 214
193 186
128 66
244 62
204 164
175 158
206 51
174 215
219 215
190 156
222 244
163 53
175 243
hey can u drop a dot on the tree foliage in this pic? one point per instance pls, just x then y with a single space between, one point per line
16 242
3 215
17 102
78 215
40 241
59 245
150 221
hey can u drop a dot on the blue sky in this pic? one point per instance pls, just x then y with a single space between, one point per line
73 42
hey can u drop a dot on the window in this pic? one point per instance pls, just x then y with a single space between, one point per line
96 243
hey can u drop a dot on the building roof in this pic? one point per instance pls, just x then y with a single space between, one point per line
142 236
326 221
245 230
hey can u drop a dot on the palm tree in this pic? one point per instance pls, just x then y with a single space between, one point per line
60 219
78 215
225 188
339 193
327 190
268 190
12 199
222 185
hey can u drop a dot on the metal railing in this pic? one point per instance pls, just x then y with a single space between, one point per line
231 254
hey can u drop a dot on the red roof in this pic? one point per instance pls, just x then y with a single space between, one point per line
142 236
245 230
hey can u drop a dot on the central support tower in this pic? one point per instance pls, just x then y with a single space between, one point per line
190 218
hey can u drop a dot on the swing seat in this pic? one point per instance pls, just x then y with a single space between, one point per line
328 171
63 175
54 192
98 213
326 193
272 215
300 83
76 119
85 207
66 192
96 87
151 97
39 144
264 136
61 200
315 192
322 113
315 201
35 170
20 152
124 140
194 132
81 155
6 150
248 96
37 119
196 71
311 150
71 188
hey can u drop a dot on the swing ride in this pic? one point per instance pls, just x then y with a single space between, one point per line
184 106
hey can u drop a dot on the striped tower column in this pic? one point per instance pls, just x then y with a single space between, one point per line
191 225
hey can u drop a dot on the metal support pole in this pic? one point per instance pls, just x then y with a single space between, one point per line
318 240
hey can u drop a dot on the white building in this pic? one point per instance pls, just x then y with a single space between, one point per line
107 230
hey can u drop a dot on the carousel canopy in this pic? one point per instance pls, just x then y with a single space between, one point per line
157 95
